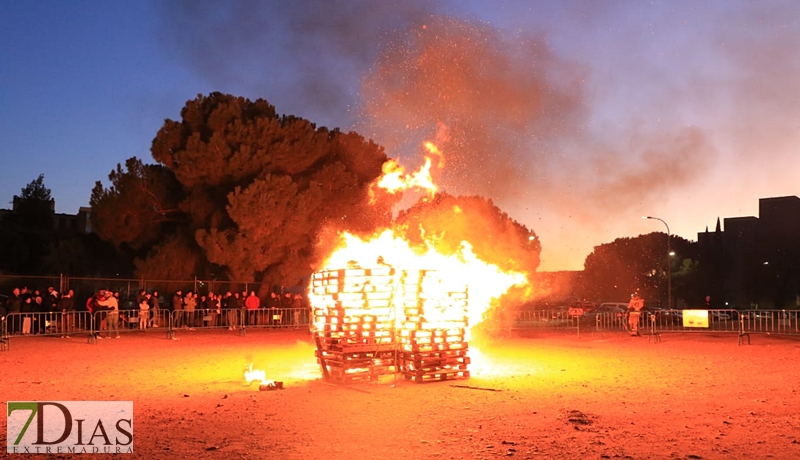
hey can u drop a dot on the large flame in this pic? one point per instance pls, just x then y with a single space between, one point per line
382 305
483 280
394 178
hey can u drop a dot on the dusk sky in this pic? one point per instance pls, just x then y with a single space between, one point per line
575 117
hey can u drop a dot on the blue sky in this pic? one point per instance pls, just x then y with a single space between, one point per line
587 115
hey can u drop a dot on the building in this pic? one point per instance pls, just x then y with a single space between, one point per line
62 223
756 260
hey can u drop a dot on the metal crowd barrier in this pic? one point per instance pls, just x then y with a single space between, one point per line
103 324
720 320
277 318
741 322
115 323
240 319
771 321
205 318
46 324
545 319
3 334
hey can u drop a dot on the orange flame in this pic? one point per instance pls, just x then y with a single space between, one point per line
251 375
483 281
395 179
435 151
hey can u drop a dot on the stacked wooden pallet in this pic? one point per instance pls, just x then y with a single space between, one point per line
371 322
432 338
353 319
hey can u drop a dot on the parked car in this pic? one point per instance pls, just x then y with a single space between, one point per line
605 311
622 305
668 315
720 316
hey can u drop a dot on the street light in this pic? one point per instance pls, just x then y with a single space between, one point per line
669 262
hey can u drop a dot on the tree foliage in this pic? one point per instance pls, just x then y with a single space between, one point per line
613 271
248 191
493 235
34 206
140 205
175 257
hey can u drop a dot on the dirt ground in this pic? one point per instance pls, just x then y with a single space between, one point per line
541 395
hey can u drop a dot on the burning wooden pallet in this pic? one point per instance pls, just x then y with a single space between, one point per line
370 322
433 335
353 320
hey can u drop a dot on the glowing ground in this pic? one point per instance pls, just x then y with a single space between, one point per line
559 396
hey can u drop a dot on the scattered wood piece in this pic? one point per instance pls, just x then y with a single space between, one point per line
469 387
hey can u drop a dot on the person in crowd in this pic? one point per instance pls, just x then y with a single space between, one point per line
27 310
273 303
91 303
25 293
141 295
66 306
297 309
211 307
223 305
144 312
286 300
14 304
234 304
155 306
177 308
39 323
202 314
53 322
218 301
110 302
252 303
51 299
189 306
96 311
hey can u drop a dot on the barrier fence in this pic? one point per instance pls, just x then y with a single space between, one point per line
742 322
111 324
3 334
45 324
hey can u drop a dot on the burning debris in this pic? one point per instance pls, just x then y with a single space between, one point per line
251 375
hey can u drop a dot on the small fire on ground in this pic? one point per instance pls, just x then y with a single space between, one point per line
258 375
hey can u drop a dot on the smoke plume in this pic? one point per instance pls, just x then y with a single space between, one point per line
516 120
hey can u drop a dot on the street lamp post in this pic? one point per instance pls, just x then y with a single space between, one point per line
669 262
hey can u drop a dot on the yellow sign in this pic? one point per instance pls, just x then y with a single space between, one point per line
695 318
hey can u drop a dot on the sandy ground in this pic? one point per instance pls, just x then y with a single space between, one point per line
545 395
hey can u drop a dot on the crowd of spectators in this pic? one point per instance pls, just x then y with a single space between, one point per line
35 312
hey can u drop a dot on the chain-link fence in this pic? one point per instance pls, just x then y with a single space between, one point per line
33 283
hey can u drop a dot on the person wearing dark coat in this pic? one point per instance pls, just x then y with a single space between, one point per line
66 305
14 305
